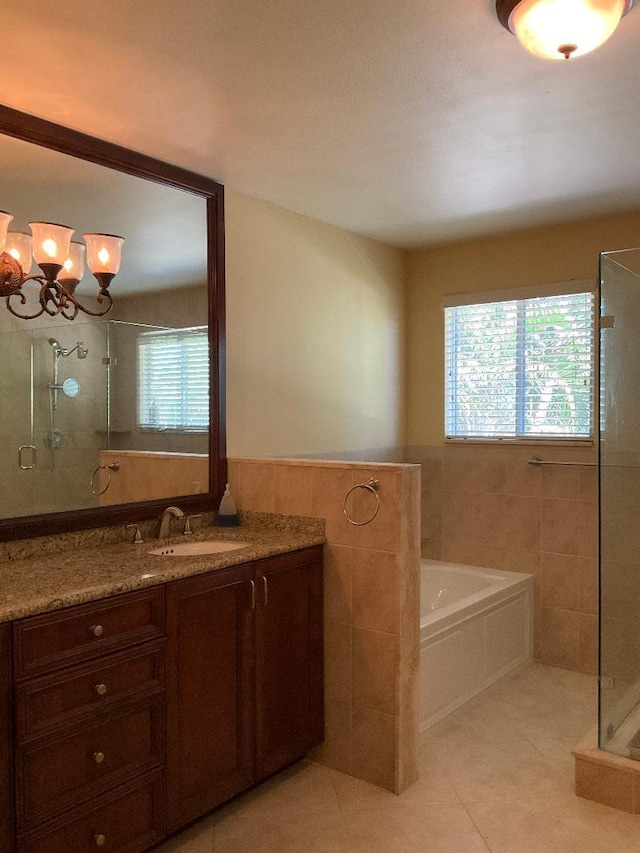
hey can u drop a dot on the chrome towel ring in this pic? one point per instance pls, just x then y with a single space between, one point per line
114 466
372 485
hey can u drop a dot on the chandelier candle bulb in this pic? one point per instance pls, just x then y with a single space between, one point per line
61 263
20 246
50 245
5 219
73 268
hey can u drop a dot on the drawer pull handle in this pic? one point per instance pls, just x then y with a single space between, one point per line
97 630
98 757
100 839
101 689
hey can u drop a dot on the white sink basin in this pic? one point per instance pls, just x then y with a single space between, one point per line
184 549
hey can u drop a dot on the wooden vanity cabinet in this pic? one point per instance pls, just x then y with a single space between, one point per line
88 723
289 659
244 683
209 691
124 719
6 744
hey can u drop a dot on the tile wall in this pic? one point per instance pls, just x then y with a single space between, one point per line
148 475
486 506
371 604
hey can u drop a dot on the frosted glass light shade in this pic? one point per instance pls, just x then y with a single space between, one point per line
19 246
50 242
103 252
557 29
5 219
73 267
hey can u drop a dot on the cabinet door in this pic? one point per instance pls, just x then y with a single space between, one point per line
209 691
289 684
6 765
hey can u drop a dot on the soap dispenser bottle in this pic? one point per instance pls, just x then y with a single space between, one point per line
227 513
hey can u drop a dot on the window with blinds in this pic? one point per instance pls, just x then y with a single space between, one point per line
520 368
173 380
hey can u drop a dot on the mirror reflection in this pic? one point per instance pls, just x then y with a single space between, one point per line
77 397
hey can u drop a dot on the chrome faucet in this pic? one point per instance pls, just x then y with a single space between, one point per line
165 520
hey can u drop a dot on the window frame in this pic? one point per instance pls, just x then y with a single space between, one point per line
573 286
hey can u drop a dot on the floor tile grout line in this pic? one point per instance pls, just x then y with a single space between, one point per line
477 828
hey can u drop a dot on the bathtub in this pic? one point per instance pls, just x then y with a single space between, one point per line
476 627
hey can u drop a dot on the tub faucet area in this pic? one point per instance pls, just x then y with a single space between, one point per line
165 520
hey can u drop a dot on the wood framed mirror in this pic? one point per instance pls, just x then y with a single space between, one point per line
112 431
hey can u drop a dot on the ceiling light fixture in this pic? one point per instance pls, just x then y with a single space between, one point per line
557 29
61 262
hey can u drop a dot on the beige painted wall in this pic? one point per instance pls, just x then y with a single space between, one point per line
315 335
524 258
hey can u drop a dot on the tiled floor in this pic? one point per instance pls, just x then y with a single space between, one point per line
496 777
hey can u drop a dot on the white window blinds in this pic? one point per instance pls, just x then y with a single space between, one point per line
520 368
173 380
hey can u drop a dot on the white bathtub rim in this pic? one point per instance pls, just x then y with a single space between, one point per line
504 585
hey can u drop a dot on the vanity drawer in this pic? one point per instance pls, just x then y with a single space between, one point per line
127 821
54 774
43 643
64 698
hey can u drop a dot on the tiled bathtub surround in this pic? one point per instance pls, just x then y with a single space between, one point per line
485 506
371 604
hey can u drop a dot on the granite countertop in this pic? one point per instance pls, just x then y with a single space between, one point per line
55 572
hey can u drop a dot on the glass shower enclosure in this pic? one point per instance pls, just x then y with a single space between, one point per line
619 504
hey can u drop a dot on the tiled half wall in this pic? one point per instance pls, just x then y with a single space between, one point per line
486 506
371 601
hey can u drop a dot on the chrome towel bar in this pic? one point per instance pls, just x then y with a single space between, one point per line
536 460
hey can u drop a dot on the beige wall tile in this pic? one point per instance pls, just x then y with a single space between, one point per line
253 485
489 519
588 643
607 785
383 532
489 476
335 750
292 490
338 563
563 526
457 475
588 584
337 662
375 590
432 514
560 581
589 484
431 549
523 479
474 554
329 489
524 522
374 665
431 473
372 747
559 638
457 516
561 482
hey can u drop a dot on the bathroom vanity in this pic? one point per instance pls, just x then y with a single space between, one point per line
128 716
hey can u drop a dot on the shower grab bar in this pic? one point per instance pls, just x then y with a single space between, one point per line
114 466
536 460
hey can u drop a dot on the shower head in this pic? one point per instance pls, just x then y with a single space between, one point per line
83 352
54 343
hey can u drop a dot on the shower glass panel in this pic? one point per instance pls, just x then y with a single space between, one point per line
619 686
54 416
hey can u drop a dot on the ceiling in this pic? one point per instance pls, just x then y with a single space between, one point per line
416 122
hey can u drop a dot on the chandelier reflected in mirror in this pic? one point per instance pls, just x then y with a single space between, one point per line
61 263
